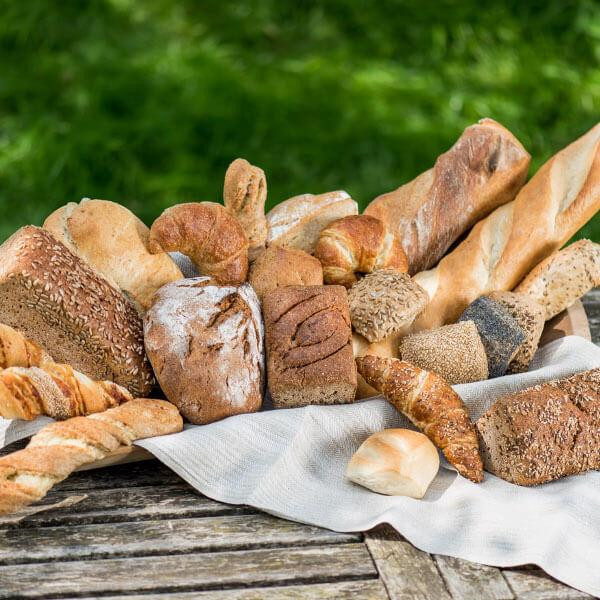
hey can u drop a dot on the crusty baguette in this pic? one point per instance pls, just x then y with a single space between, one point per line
561 197
544 432
563 277
483 170
357 244
58 449
432 405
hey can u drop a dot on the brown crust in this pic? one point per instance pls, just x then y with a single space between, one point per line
208 234
357 244
432 405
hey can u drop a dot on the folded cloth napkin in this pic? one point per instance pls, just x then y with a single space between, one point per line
291 463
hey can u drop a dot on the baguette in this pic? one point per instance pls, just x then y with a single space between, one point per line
58 449
560 198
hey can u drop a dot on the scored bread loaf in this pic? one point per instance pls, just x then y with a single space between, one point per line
309 351
483 170
544 432
58 449
357 244
111 239
298 221
57 301
563 277
500 250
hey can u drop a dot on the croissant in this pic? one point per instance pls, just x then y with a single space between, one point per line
432 405
208 234
59 448
357 244
244 194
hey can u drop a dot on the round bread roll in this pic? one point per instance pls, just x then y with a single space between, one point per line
395 462
205 343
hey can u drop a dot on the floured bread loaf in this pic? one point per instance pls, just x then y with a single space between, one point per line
205 342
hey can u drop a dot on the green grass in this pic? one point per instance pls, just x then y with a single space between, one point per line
147 102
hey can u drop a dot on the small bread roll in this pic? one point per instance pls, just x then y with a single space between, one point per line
395 462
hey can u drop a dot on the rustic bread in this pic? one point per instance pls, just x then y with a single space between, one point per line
205 342
111 239
455 352
544 432
309 350
396 462
357 244
384 303
563 277
58 302
278 266
502 248
483 170
298 221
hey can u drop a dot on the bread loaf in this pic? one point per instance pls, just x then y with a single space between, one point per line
278 266
357 244
483 170
58 302
298 221
309 351
396 462
563 277
114 242
205 342
544 432
502 248
58 449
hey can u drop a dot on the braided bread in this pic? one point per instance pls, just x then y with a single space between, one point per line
58 449
432 405
357 244
17 351
208 234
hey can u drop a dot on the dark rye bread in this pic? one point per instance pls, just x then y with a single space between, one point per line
57 301
544 432
309 346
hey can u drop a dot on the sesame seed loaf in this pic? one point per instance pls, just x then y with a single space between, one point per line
384 302
309 347
60 303
454 351
544 432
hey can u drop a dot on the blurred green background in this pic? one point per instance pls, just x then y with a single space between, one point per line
146 102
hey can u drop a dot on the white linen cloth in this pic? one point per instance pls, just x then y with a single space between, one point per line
291 463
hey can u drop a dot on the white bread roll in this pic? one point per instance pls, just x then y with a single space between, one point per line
395 462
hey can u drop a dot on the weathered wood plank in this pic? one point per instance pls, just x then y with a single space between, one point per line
369 589
407 573
118 505
160 537
187 572
534 584
472 581
591 303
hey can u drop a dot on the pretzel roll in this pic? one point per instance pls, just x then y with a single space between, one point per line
208 234
357 244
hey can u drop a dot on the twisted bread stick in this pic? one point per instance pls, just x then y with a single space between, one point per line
17 351
432 405
59 448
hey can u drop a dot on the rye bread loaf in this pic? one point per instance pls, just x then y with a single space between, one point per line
544 432
309 349
205 342
57 301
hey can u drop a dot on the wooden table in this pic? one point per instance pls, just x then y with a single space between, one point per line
139 531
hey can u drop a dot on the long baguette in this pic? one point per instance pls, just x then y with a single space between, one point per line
502 248
58 449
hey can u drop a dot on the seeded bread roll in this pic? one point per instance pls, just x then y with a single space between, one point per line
385 302
455 352
499 331
309 349
58 302
278 266
529 314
